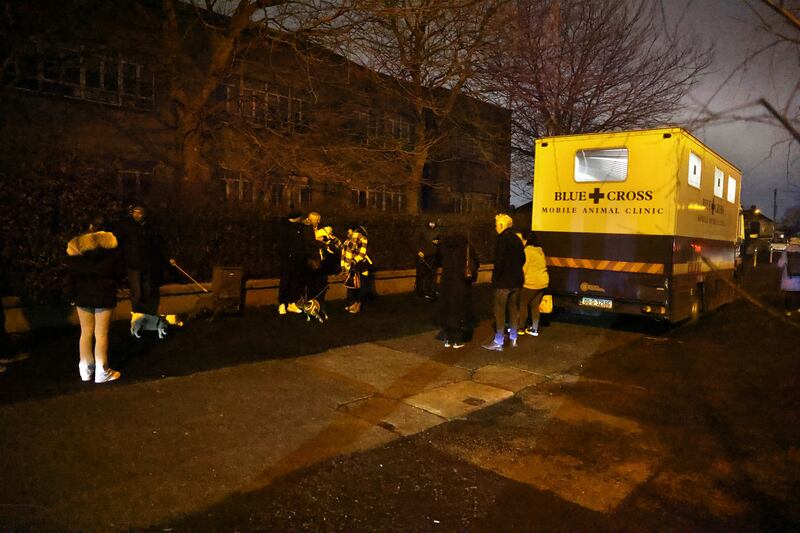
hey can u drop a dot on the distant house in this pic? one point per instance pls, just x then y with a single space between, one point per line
759 230
757 224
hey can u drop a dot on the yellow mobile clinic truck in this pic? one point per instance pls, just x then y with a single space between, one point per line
639 222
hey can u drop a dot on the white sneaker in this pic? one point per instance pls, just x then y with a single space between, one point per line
292 308
457 345
87 372
493 346
106 375
446 344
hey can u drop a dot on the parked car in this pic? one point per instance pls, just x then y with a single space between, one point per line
779 242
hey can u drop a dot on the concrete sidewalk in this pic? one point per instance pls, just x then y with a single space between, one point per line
120 455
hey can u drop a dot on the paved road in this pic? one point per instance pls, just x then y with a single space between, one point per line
587 426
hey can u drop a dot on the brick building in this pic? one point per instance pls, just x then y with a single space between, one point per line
287 125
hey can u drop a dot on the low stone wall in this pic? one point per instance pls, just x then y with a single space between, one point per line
184 298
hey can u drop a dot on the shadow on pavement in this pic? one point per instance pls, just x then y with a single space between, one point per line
259 334
699 433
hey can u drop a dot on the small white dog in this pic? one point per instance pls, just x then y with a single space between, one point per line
144 322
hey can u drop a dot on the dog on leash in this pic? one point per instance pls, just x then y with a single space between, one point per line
312 309
143 322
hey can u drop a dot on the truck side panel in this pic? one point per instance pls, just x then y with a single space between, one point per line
702 276
703 210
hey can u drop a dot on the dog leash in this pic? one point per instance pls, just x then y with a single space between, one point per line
175 264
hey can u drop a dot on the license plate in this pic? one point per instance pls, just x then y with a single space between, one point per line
601 303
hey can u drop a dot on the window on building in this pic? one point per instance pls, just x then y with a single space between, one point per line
401 131
71 65
293 190
373 130
246 102
695 170
731 189
238 185
277 111
299 116
608 164
362 127
249 101
83 75
719 182
462 204
378 199
473 202
134 183
274 110
377 131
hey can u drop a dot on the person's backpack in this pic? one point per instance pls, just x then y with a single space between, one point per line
793 263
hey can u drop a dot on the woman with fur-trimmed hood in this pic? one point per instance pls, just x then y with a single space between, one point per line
95 269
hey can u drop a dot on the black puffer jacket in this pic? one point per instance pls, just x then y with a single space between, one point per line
95 269
425 242
141 247
509 258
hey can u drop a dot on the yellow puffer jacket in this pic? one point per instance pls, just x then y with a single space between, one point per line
535 268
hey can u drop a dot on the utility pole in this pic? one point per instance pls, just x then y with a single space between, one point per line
775 205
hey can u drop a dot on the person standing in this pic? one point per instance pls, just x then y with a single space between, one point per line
290 250
144 260
95 268
789 263
507 280
427 260
313 276
9 353
459 271
356 265
536 281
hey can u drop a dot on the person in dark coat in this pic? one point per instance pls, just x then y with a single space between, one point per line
291 263
144 260
9 353
95 269
507 280
314 278
455 288
427 260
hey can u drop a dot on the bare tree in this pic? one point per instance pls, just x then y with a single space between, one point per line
780 22
774 54
569 66
229 29
425 54
786 36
